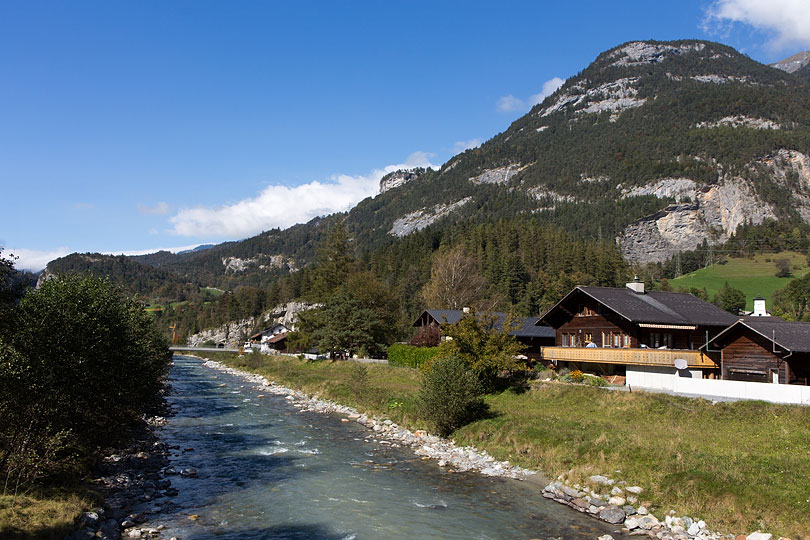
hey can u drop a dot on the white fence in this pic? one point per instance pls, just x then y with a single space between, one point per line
648 378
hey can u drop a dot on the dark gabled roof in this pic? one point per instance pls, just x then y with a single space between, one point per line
656 307
278 337
790 336
524 326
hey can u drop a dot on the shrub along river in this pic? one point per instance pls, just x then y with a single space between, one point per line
266 470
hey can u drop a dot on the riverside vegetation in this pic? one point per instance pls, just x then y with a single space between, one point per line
739 466
80 366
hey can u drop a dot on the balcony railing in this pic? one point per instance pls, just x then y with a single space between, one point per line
636 357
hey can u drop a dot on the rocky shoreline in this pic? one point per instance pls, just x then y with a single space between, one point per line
129 479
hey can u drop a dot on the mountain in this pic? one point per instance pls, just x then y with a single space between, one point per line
803 73
793 63
659 146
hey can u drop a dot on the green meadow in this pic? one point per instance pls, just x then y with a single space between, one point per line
755 276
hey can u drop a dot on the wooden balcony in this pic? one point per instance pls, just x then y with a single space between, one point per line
635 357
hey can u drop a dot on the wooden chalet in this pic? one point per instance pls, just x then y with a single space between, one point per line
764 349
527 331
605 329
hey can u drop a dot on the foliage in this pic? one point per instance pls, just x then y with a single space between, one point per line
359 379
450 396
782 267
486 349
793 302
730 299
81 365
410 355
455 282
426 336
576 376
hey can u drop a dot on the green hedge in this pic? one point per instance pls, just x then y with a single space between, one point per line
410 356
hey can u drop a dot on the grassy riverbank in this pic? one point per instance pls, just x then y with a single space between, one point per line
43 514
740 466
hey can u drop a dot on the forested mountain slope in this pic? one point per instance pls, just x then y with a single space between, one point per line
659 145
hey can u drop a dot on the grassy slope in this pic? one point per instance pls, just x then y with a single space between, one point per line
755 276
46 515
740 466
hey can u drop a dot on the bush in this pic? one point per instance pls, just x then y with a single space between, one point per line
410 356
595 380
451 395
426 336
82 364
358 378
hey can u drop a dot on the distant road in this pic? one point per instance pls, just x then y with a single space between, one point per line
202 349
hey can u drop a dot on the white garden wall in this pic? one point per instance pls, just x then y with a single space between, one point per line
658 378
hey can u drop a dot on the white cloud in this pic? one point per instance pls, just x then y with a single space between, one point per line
512 104
461 146
788 21
549 87
160 209
282 206
35 260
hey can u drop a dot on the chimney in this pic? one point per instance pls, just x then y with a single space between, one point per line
465 310
759 308
636 286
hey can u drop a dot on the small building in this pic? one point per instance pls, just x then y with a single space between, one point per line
764 349
606 329
527 331
268 333
275 344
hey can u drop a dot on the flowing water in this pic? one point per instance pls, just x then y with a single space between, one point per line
269 471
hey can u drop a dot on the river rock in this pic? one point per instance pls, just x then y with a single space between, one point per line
605 537
612 514
635 490
694 528
642 510
580 503
647 521
601 480
571 492
616 490
629 510
89 519
759 536
596 501
631 523
617 501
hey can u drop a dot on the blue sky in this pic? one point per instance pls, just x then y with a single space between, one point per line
129 127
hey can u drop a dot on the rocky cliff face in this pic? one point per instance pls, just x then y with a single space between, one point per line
793 63
235 333
398 178
713 212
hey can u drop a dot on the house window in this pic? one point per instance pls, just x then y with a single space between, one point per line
658 339
626 340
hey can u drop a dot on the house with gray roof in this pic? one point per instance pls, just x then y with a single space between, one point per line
606 329
764 349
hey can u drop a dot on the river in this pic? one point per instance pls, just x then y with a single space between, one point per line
266 470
